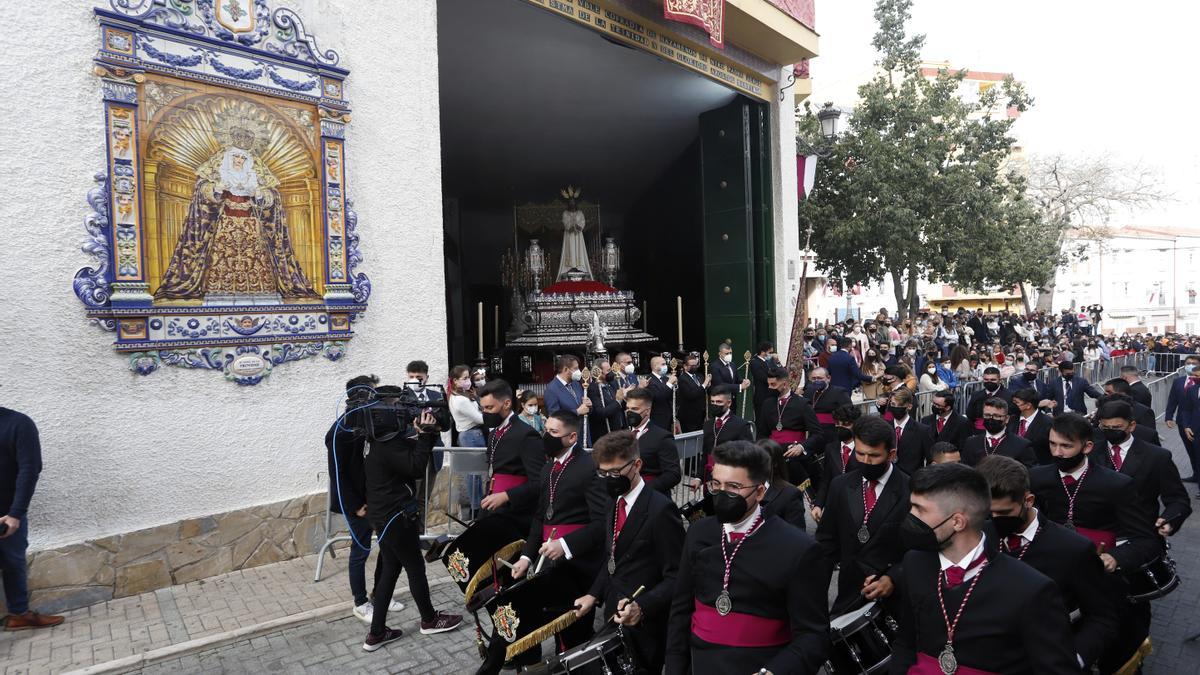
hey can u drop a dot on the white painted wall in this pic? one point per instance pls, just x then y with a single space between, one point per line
786 210
122 451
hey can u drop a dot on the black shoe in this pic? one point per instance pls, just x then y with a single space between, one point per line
1190 479
374 642
441 623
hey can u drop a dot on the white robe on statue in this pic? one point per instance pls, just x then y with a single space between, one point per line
574 249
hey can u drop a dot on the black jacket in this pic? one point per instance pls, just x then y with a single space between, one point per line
832 467
607 412
786 501
913 451
728 374
1037 432
975 405
662 397
956 430
837 533
1070 560
660 458
797 415
347 477
1012 445
769 578
692 400
734 428
758 378
1155 479
1014 622
518 452
392 469
1141 393
579 498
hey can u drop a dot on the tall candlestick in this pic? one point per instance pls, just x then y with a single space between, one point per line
496 328
645 316
480 328
679 319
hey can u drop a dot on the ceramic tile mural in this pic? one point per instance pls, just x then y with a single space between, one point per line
221 231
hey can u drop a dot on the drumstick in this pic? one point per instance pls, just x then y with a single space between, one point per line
542 558
631 598
455 519
504 562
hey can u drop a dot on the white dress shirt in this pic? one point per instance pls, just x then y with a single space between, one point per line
561 459
966 560
743 525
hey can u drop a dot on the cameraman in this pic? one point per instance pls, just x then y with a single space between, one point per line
348 493
393 464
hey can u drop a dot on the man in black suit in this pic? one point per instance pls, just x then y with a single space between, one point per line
1027 379
784 498
692 392
992 388
661 384
739 568
761 364
643 540
839 454
996 439
913 440
515 456
824 398
860 525
568 524
1007 617
1067 557
978 326
1064 392
1031 424
1142 414
1137 389
721 426
660 456
607 413
945 424
786 418
725 371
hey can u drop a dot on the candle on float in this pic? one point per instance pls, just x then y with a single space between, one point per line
679 317
480 328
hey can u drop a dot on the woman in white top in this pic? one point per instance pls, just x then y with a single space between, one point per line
930 380
468 419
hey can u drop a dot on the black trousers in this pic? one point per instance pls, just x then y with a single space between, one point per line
400 548
1135 628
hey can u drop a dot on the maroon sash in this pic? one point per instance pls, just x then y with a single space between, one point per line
737 629
563 530
1098 537
927 665
651 476
502 482
825 418
786 436
979 424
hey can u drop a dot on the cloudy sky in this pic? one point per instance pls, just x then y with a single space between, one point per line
1107 77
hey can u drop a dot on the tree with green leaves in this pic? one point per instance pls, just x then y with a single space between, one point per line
919 185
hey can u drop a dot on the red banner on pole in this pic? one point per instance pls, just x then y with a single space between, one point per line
707 15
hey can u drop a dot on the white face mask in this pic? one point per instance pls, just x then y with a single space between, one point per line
576 375
832 348
727 358
662 370
479 384
531 409
628 368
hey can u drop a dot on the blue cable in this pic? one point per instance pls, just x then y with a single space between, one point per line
337 474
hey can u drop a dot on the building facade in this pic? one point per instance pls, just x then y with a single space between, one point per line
170 457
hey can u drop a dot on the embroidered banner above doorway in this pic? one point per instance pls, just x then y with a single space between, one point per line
707 15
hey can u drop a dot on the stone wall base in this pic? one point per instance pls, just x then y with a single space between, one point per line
176 553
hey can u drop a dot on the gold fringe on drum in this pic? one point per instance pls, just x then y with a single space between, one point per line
1135 661
485 570
536 637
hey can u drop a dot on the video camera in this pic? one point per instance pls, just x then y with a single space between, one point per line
387 411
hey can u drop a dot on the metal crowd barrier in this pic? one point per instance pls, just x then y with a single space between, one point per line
1160 389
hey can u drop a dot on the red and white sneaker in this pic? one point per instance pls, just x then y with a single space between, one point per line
441 623
374 642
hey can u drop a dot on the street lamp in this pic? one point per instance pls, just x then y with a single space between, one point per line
828 117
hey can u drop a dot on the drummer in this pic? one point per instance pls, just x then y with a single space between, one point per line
644 540
1068 558
746 596
1101 505
860 527
963 606
787 418
568 524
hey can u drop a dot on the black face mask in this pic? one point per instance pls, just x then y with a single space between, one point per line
715 411
492 420
844 434
1115 436
991 386
993 427
1029 377
1068 376
632 419
1006 526
898 412
917 536
1069 464
552 445
874 471
616 486
729 507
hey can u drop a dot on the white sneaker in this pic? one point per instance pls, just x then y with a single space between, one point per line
395 606
364 612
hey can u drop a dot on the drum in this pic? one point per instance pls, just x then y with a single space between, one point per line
531 610
468 558
604 654
697 508
861 641
1153 580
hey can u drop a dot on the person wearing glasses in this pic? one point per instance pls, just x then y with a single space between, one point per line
643 541
748 595
996 438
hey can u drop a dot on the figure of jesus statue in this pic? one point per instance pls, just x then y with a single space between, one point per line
574 260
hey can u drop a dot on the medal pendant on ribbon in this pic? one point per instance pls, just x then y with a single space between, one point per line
612 566
779 426
947 661
724 604
863 534
550 512
1071 525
